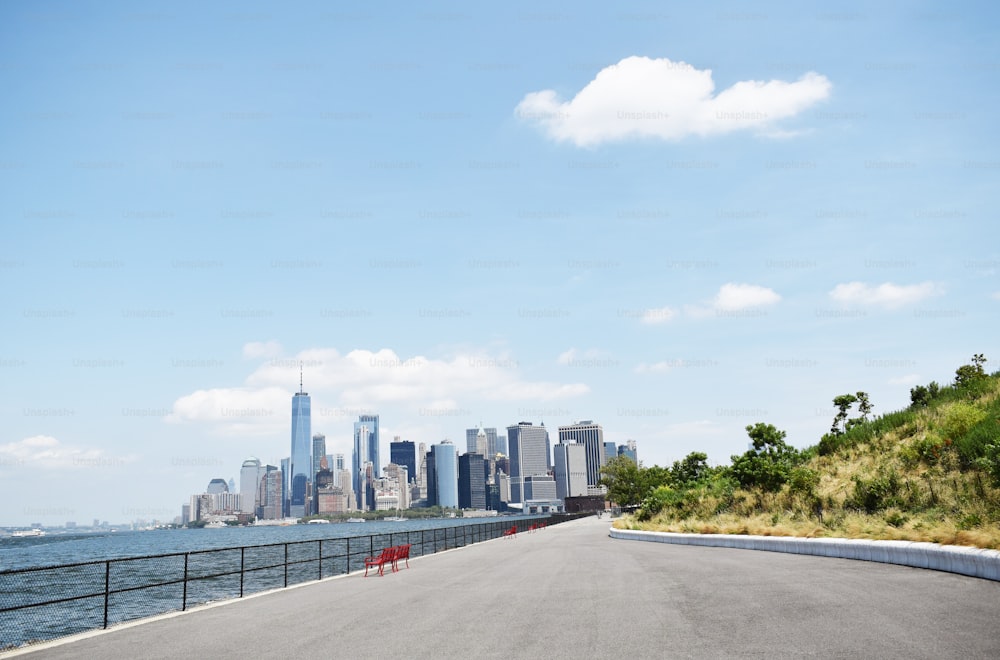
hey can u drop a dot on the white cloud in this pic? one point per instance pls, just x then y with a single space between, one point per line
995 295
658 315
44 451
641 97
365 381
734 299
887 295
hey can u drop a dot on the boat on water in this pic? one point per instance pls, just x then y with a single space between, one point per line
28 532
355 520
394 519
319 521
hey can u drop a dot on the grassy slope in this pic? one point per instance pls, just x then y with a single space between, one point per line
927 494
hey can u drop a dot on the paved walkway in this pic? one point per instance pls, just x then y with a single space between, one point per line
571 591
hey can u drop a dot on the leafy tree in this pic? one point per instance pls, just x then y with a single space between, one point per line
768 464
968 374
864 405
843 403
622 477
691 469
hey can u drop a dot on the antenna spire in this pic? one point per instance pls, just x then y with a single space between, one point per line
300 376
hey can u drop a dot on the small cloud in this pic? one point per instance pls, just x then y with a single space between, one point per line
658 315
734 297
642 97
995 295
46 452
258 349
887 295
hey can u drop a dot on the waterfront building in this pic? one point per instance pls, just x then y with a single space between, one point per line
446 473
318 453
398 477
365 459
431 496
471 481
528 456
250 474
403 452
300 465
271 496
539 487
570 468
591 436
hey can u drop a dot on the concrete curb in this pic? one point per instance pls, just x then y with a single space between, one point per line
974 562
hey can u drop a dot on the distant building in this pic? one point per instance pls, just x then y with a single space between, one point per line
528 446
250 474
365 460
216 486
446 474
610 451
271 496
591 436
628 449
481 441
570 469
403 452
471 481
300 466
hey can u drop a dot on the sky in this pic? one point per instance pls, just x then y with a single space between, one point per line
674 221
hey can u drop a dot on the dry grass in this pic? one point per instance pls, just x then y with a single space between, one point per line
850 526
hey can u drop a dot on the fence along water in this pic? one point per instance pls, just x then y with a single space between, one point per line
44 603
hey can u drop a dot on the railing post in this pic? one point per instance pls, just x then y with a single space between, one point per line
184 602
242 564
348 571
286 564
320 560
107 589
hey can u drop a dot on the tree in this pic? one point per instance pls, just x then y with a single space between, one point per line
692 468
968 374
768 464
622 477
864 405
843 403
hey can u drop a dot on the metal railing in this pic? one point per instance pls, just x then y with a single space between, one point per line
43 603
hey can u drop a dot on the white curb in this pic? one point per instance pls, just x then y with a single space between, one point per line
974 562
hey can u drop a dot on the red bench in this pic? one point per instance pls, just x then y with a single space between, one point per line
402 552
511 533
391 556
386 557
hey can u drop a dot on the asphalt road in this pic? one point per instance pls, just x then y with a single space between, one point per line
570 591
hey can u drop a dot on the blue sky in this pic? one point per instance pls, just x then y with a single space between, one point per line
674 221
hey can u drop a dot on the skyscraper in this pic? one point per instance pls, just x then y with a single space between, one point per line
482 441
403 452
628 449
300 465
250 475
528 455
471 481
591 436
365 460
446 473
318 453
570 469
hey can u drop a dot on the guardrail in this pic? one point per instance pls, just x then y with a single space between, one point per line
43 603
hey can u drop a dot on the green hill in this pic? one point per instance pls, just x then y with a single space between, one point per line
930 472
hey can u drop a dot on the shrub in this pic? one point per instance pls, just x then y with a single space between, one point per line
872 495
959 418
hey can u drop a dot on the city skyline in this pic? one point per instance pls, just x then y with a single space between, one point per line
673 220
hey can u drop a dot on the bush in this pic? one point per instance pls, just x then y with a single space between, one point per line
873 495
959 418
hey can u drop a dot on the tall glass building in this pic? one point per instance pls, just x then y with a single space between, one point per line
446 470
300 465
365 455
